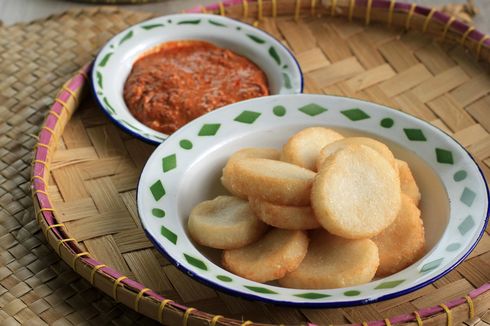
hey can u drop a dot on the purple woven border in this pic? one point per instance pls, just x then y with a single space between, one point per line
79 81
457 25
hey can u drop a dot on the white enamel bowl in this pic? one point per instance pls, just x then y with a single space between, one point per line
115 60
186 168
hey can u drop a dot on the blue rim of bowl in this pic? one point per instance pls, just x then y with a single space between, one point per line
339 304
151 141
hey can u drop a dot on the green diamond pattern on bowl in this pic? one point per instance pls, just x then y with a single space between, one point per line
415 134
312 109
355 114
157 190
169 163
167 233
196 262
444 156
389 284
466 225
260 289
387 123
279 110
209 129
157 212
312 295
185 144
224 278
468 196
352 293
453 247
247 117
432 265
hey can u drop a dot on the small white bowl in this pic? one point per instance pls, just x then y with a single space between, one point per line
114 62
186 169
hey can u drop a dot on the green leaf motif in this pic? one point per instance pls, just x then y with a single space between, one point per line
127 124
109 106
260 289
196 262
152 26
126 37
287 81
312 295
209 129
256 39
355 114
312 109
98 75
169 163
274 55
389 284
189 22
247 117
215 23
157 190
169 235
105 59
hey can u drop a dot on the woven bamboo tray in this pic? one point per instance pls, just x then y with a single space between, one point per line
85 169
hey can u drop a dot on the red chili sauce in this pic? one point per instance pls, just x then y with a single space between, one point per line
182 80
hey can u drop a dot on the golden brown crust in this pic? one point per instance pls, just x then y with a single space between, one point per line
284 217
379 147
334 262
304 147
357 193
273 181
257 152
402 243
407 182
224 223
270 258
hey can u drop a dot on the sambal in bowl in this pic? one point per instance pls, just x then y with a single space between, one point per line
160 74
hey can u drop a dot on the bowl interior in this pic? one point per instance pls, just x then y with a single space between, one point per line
201 181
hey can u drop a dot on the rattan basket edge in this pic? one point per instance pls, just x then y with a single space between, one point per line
150 303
